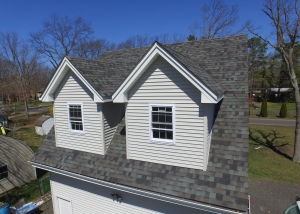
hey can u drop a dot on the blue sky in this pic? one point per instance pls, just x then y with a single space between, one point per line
117 20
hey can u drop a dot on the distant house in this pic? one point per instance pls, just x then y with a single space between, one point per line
38 94
15 170
160 129
43 125
3 115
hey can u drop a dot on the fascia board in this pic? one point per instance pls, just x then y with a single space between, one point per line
136 191
58 77
46 94
119 95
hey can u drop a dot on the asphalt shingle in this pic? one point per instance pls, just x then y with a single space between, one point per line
225 182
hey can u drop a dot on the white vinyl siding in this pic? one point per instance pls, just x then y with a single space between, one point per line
112 115
72 90
91 198
162 84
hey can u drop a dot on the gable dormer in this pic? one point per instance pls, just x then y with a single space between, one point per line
170 109
84 120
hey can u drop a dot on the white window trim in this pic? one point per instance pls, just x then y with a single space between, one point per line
81 132
162 141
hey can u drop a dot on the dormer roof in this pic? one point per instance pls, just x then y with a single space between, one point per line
211 92
115 72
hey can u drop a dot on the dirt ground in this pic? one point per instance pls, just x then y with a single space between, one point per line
46 208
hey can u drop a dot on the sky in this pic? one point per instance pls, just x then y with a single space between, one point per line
117 20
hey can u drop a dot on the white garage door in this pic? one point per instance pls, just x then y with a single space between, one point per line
64 206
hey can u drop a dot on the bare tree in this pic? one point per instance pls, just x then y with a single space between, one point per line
218 19
285 18
147 40
21 64
92 49
60 36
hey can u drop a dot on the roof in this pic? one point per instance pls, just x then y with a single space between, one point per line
2 110
108 73
15 154
225 182
104 77
197 71
41 120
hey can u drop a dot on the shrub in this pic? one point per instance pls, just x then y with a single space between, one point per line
51 111
264 108
283 110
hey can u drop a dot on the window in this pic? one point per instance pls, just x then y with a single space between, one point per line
3 171
162 123
75 117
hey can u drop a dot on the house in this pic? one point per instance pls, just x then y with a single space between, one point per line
160 129
43 124
3 115
15 169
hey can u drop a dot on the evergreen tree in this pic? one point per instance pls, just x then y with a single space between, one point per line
264 108
283 110
191 38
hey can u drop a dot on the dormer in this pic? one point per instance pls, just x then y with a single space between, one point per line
170 102
85 120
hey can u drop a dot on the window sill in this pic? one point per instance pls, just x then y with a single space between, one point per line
77 132
162 142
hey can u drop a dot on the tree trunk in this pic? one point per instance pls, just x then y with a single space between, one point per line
289 62
26 109
26 104
296 156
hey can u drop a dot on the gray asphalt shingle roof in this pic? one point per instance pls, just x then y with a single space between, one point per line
225 182
197 71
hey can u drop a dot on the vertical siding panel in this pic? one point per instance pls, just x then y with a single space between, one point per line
161 83
112 115
72 90
91 198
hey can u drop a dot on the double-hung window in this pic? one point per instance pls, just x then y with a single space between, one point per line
3 171
76 118
162 124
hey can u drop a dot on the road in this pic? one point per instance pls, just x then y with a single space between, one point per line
31 110
272 122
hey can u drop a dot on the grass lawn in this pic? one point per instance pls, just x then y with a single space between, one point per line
272 163
277 106
27 132
20 105
272 117
29 191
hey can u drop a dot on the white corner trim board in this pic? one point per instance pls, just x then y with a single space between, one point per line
148 194
207 96
57 78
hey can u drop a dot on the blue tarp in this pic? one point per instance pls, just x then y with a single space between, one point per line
27 209
5 209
